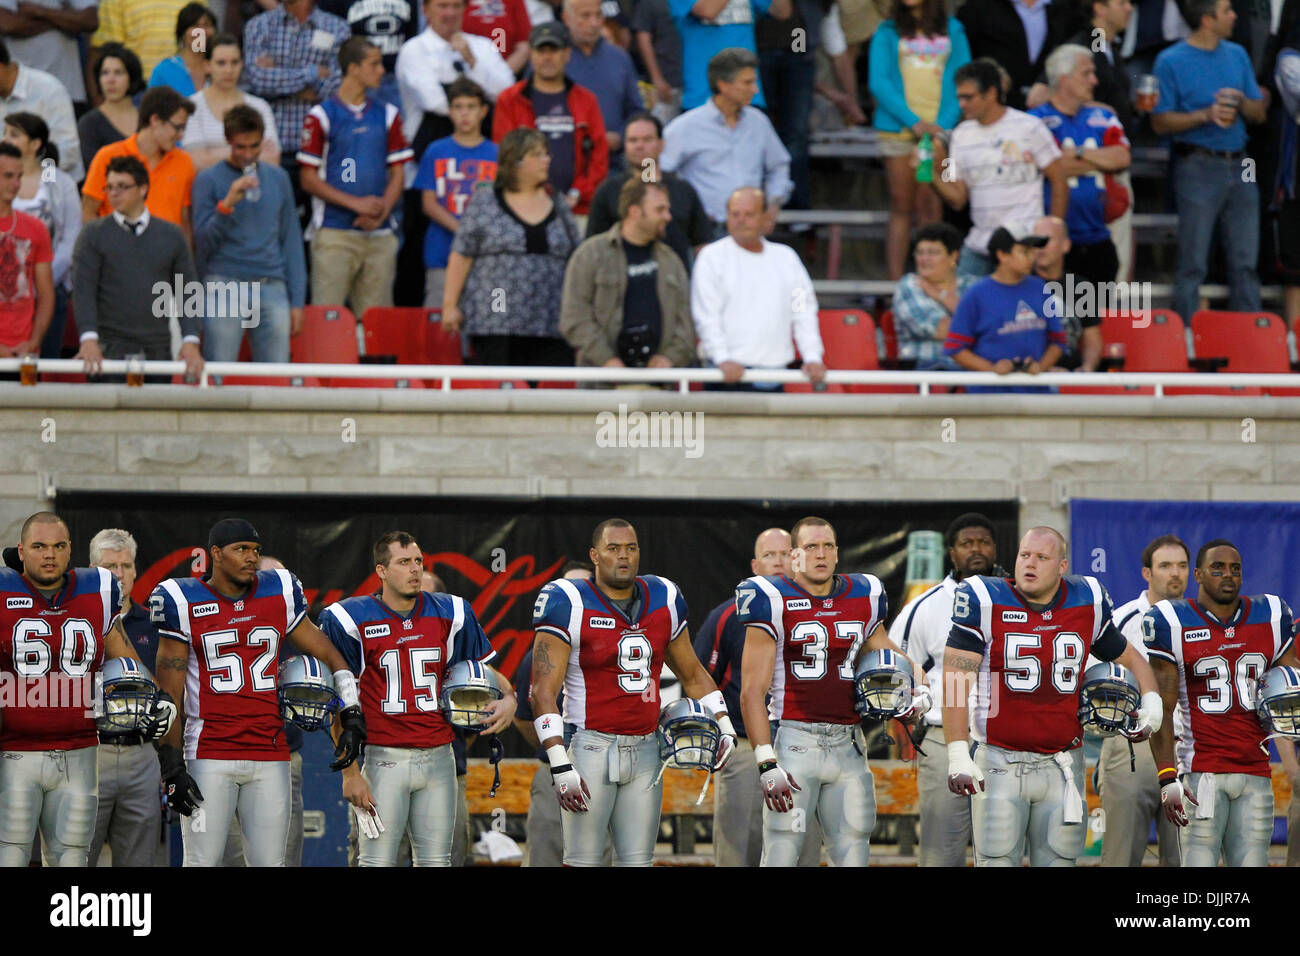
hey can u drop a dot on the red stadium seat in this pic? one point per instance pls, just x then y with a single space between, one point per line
285 381
1250 341
1157 345
414 336
849 337
889 335
329 334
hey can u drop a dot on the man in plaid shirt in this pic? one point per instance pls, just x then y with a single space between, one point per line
291 61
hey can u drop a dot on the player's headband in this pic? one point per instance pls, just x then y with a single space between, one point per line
229 530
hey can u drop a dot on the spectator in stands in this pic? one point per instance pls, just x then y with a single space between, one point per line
353 161
709 27
49 194
837 76
1207 88
26 281
914 58
690 226
385 23
505 23
660 47
926 299
1156 24
1110 18
115 78
187 71
567 113
787 49
44 35
627 298
163 115
27 90
604 68
428 64
1093 147
726 143
250 239
449 172
289 64
1004 322
1079 313
1019 34
1285 206
205 137
143 26
749 295
505 275
996 162
117 262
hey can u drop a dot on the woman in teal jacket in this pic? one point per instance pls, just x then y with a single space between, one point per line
913 59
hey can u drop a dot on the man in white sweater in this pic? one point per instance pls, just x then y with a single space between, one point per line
748 295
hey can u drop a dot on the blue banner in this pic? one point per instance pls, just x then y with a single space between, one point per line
1107 538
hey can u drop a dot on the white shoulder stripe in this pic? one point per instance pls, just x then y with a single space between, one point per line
986 607
671 598
777 602
575 606
457 624
173 588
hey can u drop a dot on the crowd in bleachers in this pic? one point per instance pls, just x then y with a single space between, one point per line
593 182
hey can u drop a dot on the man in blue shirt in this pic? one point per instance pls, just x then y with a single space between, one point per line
1207 88
603 68
1004 322
710 26
246 230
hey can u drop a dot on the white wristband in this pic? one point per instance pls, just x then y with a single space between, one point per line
764 753
548 726
714 702
726 726
557 756
345 682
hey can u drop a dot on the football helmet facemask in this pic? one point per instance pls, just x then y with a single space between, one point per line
882 685
128 696
689 738
305 690
1109 699
467 689
1277 701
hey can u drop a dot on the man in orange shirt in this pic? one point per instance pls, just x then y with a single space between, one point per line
163 115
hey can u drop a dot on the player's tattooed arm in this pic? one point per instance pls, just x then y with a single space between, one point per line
1162 741
171 664
959 671
550 661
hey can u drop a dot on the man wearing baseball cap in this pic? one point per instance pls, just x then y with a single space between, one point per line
1006 321
569 115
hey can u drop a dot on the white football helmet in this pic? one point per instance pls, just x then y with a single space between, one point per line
883 685
689 738
1109 699
467 688
1278 701
128 696
305 689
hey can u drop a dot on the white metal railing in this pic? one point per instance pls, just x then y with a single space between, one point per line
681 377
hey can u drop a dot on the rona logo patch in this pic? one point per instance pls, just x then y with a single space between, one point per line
606 623
1200 634
1015 617
802 604
205 610
377 630
17 602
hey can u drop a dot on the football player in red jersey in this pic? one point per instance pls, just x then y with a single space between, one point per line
1027 640
604 642
804 635
58 627
220 640
1208 654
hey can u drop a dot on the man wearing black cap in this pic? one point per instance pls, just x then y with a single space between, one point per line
220 636
921 630
1006 322
569 115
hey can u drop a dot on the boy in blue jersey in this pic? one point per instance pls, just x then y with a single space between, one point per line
450 170
1004 323
352 159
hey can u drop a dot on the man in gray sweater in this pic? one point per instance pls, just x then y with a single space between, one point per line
127 270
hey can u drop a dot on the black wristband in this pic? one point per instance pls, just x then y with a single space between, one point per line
562 768
766 765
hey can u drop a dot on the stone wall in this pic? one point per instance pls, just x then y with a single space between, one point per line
1040 449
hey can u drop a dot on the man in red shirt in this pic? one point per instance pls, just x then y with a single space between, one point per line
505 23
26 274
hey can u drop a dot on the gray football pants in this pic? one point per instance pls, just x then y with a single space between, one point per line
257 791
1024 801
414 789
129 818
836 786
1242 824
55 790
738 815
620 771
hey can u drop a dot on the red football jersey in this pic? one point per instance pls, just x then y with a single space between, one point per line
231 707
49 653
817 641
612 681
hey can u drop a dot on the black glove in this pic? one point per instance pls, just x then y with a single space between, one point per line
351 740
161 718
183 793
